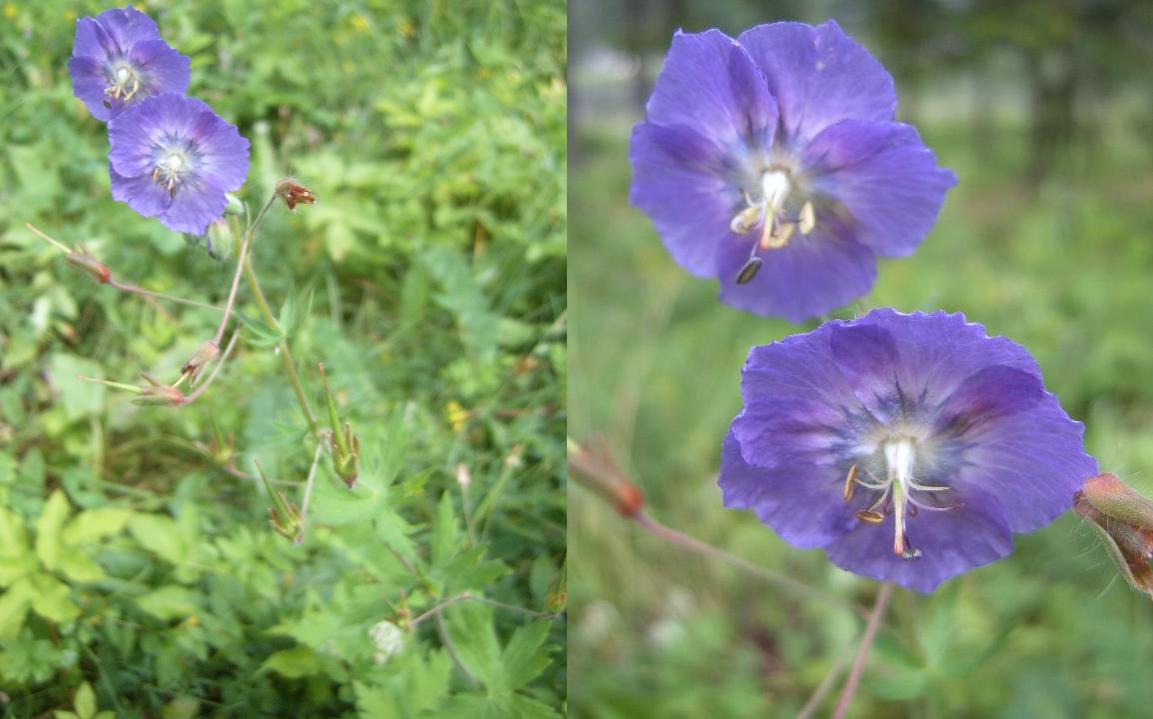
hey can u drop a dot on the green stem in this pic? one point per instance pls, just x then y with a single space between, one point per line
285 353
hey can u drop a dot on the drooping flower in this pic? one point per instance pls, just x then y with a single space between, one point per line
909 447
119 59
174 159
773 163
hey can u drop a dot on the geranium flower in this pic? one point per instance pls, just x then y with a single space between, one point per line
772 162
118 59
174 159
909 447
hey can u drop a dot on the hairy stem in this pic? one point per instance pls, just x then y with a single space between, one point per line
707 550
282 346
879 606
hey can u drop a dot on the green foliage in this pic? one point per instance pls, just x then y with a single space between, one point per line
138 573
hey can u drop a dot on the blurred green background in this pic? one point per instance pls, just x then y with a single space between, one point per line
1045 111
137 570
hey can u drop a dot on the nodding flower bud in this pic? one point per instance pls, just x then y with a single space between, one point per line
294 193
598 470
1123 519
204 354
345 444
160 395
81 258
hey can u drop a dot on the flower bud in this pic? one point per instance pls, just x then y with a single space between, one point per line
81 258
293 193
204 354
345 444
598 470
1123 519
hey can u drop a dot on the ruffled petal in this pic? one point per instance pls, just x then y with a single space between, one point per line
884 177
140 193
710 85
223 161
195 206
819 76
126 27
683 181
89 84
799 502
811 276
163 69
1031 461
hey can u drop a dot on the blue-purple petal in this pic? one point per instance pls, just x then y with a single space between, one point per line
680 178
810 276
886 179
819 76
710 85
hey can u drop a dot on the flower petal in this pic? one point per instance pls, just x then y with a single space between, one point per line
885 177
681 180
709 84
819 76
163 68
1031 461
88 85
812 275
140 193
951 542
223 152
799 502
195 207
795 402
125 26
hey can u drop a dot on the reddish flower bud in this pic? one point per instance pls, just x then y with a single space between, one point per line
293 193
1123 519
598 470
81 258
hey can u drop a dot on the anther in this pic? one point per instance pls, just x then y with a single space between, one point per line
808 218
850 483
776 235
869 516
745 220
749 270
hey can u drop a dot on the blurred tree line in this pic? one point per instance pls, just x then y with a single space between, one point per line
1068 60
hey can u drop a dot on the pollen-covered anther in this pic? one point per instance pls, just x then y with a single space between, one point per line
808 218
850 483
126 84
868 516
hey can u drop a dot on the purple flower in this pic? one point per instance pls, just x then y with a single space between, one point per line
118 59
909 447
773 163
174 159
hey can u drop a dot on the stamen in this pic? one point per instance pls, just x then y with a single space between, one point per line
776 235
850 483
870 517
808 218
749 270
745 220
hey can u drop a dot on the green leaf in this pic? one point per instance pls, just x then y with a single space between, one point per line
85 701
16 557
58 714
524 659
95 524
159 533
500 706
470 626
79 568
51 599
263 334
446 532
169 602
14 605
48 529
292 663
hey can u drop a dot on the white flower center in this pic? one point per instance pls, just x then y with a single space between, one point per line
174 162
771 212
122 75
899 459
